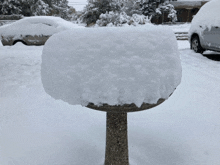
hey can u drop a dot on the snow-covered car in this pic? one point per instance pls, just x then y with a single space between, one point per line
33 30
204 33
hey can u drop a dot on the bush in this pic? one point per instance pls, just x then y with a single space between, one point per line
169 8
120 19
119 12
95 8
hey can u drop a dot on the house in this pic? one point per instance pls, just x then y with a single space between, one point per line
185 11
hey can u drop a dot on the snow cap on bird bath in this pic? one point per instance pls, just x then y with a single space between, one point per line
117 70
113 66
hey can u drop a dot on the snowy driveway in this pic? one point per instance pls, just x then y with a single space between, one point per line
37 130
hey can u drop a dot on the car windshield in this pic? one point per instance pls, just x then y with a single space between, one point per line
41 23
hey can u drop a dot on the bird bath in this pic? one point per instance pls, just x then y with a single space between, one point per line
115 70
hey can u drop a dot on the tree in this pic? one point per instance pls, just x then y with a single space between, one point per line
168 8
35 7
9 7
40 8
95 8
60 8
111 9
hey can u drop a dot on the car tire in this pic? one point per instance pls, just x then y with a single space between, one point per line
196 46
19 41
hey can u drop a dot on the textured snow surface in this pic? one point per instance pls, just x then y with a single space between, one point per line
35 129
111 65
206 17
37 25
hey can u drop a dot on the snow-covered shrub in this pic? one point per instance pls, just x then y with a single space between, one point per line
112 19
95 8
168 8
118 19
140 19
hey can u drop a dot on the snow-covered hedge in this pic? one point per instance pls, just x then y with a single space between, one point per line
111 65
119 19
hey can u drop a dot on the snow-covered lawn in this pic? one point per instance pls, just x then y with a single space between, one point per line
35 129
177 28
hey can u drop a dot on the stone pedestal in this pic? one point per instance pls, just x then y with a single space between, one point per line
116 150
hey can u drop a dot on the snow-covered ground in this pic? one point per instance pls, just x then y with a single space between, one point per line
177 28
35 129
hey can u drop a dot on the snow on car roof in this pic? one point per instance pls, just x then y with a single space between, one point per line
45 19
36 25
111 65
207 16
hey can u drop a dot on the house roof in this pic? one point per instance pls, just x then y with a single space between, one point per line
187 4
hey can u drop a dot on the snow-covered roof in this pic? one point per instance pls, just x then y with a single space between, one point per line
187 4
115 66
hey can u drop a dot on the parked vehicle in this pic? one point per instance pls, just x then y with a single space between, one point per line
33 30
204 33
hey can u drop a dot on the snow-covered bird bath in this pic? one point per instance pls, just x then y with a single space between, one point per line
117 70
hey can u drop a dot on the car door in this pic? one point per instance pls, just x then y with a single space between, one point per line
212 38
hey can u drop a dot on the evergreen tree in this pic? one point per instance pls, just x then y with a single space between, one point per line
145 7
40 8
149 8
9 7
95 8
35 7
61 8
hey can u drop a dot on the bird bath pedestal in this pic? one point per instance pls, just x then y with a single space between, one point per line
119 66
116 150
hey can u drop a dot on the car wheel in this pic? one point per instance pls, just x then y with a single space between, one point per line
19 41
196 46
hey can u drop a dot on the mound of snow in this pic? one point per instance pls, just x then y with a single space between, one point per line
111 65
206 17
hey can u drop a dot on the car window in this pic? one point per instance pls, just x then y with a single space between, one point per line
40 23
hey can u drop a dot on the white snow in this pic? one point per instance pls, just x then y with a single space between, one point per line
78 4
36 25
179 28
115 66
35 129
206 17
